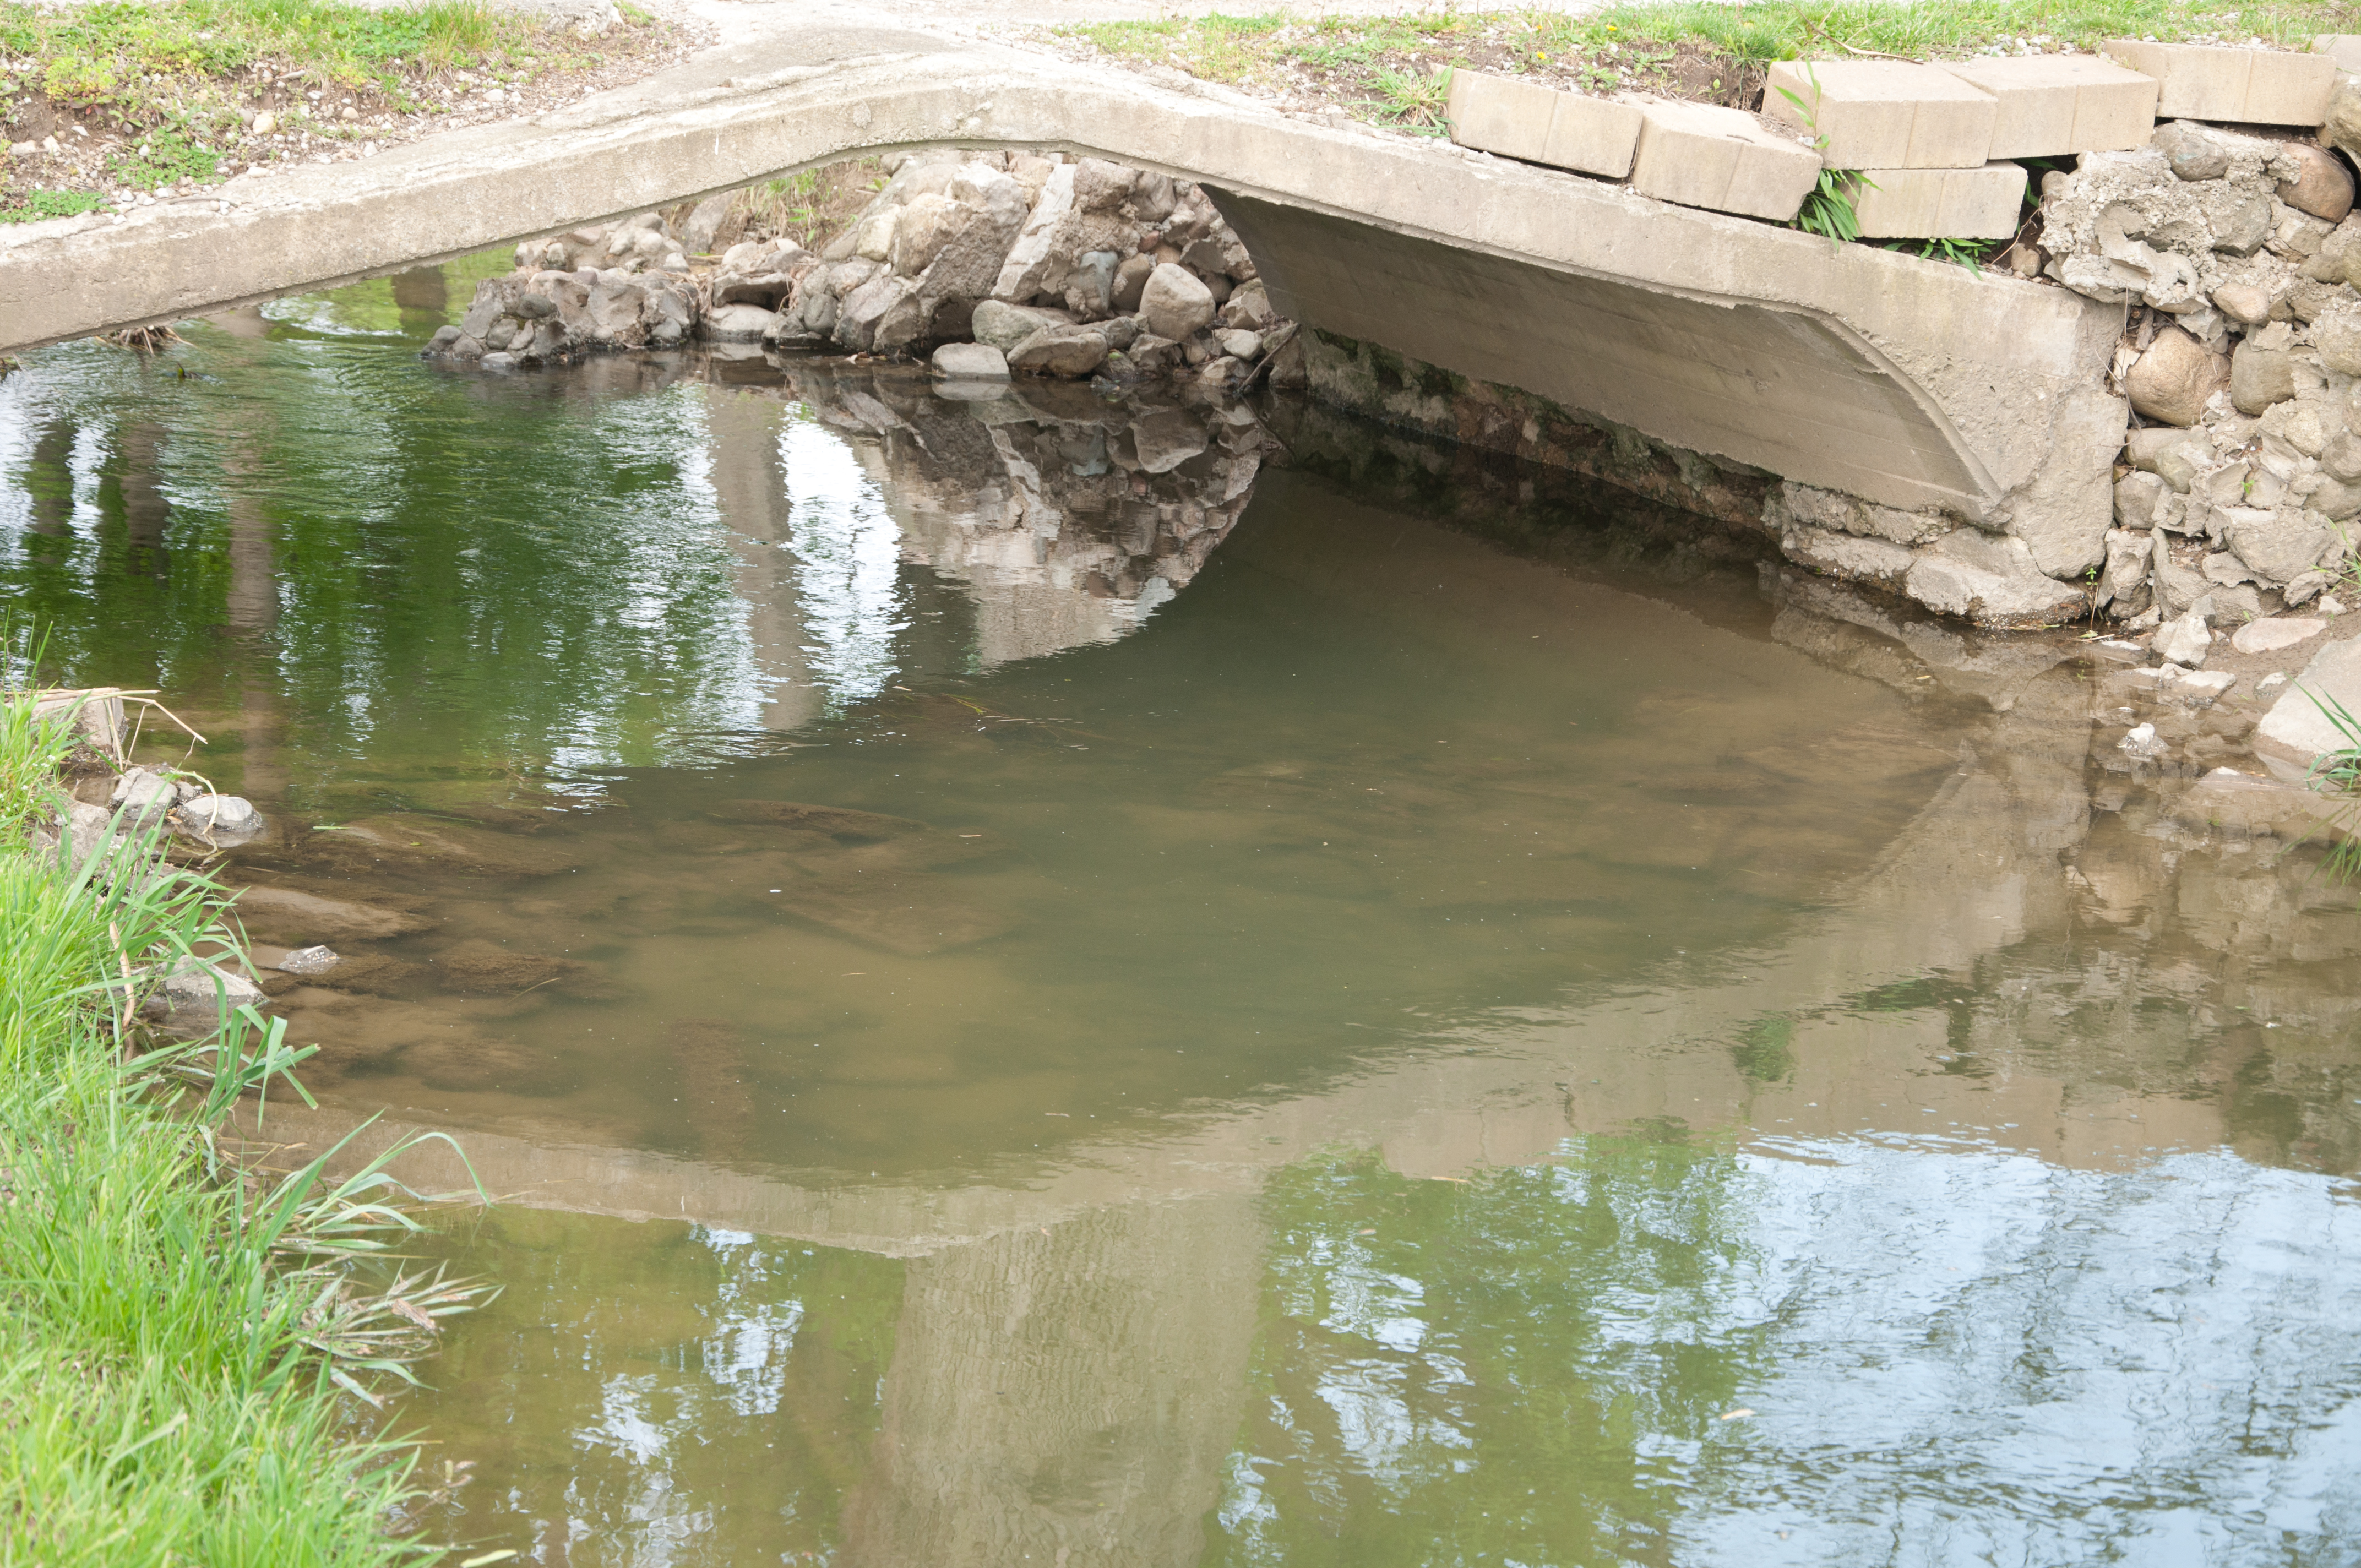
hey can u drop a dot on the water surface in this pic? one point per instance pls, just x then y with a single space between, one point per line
1090 983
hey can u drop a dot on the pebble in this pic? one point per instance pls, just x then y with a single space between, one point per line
314 960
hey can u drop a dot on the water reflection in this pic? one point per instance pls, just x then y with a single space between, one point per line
1086 982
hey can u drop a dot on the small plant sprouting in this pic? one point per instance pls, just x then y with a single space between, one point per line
1963 252
2338 773
1828 209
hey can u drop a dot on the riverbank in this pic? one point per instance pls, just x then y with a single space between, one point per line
191 1340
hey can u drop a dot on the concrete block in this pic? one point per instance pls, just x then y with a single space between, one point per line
2242 86
1884 113
1725 160
1501 114
1540 124
1942 204
2050 104
1595 136
2344 49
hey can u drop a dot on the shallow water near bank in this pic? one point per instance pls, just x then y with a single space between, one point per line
1091 982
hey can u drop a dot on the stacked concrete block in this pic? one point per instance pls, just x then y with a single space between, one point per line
1540 124
1501 114
2050 104
1883 113
1724 160
2242 86
1940 203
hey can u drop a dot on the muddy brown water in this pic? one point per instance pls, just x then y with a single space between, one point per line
1049 980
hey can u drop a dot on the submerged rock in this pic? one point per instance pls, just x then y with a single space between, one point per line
292 914
217 815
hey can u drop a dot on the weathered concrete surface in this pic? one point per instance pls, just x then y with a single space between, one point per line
1909 383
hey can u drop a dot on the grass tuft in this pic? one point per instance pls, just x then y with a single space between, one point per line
182 1333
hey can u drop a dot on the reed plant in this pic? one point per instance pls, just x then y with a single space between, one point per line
188 1345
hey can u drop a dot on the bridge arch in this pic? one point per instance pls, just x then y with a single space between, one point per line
1904 382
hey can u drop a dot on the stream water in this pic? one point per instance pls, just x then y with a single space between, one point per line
1061 981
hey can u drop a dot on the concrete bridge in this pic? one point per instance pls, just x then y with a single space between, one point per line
1906 383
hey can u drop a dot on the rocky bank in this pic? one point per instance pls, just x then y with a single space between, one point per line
994 264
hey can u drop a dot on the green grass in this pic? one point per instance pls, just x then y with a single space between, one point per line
143 93
110 54
185 1343
1693 51
39 204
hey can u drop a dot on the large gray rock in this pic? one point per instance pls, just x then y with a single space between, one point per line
1992 581
2176 586
2260 377
737 323
1031 259
2270 635
218 815
882 316
1101 186
2129 555
194 987
2297 729
973 243
2336 335
1090 287
926 226
2276 545
2186 638
1004 326
2138 498
1175 302
2172 381
141 798
974 361
1130 280
1068 352
2190 151
77 834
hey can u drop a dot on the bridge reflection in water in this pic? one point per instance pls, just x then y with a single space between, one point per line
1715 995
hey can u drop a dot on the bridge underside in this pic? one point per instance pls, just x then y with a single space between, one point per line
1900 382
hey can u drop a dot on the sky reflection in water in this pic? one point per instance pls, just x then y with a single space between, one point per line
1434 1033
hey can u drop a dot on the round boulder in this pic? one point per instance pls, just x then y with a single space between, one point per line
1176 304
2193 153
1068 351
2243 302
974 361
739 323
2322 185
2172 381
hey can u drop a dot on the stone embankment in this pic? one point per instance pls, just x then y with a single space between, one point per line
996 263
2228 232
2239 254
111 801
